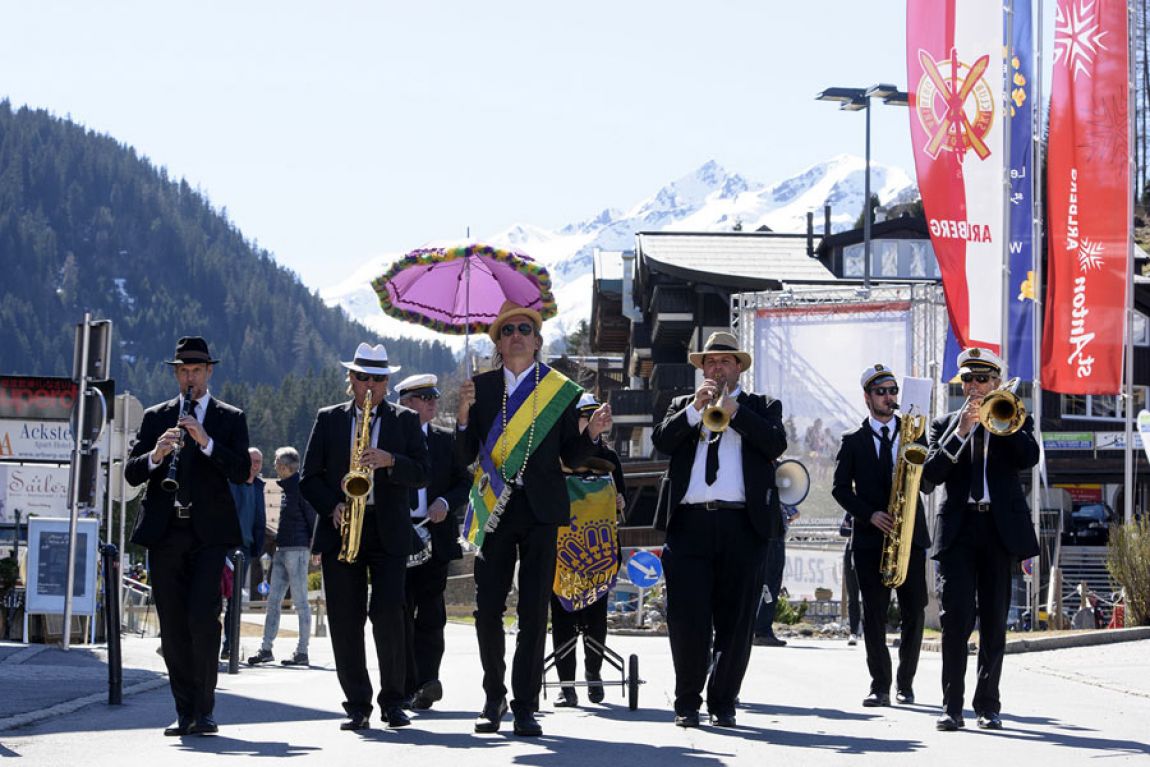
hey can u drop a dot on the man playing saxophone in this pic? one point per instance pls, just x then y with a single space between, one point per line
983 528
866 466
379 450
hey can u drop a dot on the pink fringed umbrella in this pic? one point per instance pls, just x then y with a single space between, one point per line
459 290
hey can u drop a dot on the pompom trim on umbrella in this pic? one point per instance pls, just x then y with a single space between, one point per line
521 262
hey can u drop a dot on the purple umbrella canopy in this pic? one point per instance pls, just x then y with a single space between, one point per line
459 290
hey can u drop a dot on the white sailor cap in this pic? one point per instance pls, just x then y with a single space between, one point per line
587 404
418 385
977 360
875 373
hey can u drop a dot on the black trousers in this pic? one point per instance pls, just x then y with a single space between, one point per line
774 567
426 616
876 603
975 565
349 607
592 620
854 611
714 566
518 536
185 580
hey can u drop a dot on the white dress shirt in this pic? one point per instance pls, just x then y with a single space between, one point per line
200 408
729 482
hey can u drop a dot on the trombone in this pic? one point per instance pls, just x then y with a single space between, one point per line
1001 413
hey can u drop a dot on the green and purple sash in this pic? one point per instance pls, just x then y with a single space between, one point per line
554 394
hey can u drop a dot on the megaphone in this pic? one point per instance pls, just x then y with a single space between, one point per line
793 482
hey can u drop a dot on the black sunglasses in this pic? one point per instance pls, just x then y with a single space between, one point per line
524 328
881 390
980 377
364 377
425 396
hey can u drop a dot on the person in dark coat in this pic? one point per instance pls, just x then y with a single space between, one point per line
397 462
189 531
720 507
862 484
435 515
983 530
252 511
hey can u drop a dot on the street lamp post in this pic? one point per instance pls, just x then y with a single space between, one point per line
853 100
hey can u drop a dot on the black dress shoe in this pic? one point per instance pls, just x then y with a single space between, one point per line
876 699
395 717
426 695
567 698
689 719
949 722
492 713
179 727
989 722
594 691
769 640
723 720
906 697
526 725
204 725
358 721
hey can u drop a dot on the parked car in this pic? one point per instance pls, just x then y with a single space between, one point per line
1090 525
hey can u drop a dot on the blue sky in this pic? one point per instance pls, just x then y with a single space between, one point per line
337 131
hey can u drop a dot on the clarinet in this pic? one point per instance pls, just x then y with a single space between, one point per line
170 483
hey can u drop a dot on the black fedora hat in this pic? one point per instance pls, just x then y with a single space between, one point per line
192 350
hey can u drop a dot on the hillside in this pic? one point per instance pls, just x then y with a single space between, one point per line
86 224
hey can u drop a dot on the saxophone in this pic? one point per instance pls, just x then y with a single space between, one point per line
356 485
903 501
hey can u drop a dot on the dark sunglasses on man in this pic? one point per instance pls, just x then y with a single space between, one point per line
980 377
884 390
524 328
425 396
365 377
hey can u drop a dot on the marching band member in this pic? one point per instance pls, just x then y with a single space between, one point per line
720 510
396 456
862 485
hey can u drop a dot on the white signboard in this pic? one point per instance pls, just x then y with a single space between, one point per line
34 490
48 566
810 569
1114 440
22 440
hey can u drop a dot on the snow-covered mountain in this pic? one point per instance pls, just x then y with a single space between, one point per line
710 199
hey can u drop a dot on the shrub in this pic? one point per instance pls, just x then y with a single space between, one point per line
1128 561
315 581
788 614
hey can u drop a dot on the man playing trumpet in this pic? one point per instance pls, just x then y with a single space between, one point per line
983 528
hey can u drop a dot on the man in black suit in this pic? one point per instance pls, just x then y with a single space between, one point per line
863 473
720 507
435 518
983 529
527 527
189 532
397 460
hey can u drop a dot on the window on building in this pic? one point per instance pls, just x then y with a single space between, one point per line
1102 407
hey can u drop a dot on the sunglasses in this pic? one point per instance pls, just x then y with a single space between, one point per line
364 377
883 390
426 396
980 377
524 328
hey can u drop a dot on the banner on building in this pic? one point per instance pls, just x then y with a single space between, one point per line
1089 197
955 75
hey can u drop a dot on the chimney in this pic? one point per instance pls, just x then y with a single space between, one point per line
811 233
826 221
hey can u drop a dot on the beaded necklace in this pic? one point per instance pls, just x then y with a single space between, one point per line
530 431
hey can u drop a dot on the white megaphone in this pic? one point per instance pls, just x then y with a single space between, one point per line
793 482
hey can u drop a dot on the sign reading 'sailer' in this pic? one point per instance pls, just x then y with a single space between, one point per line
956 80
1088 188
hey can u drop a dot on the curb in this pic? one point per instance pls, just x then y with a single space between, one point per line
67 707
1040 644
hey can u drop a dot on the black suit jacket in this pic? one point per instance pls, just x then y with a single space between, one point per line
1005 458
214 516
328 458
451 482
861 490
759 421
543 481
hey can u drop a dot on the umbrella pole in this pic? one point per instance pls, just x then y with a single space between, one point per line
467 312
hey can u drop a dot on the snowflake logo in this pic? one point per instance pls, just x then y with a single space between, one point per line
1089 255
1076 37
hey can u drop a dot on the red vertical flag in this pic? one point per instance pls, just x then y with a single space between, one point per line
1089 197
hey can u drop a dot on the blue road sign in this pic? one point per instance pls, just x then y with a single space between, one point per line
645 569
263 588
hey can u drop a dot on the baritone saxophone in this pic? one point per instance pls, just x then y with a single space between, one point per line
903 501
356 485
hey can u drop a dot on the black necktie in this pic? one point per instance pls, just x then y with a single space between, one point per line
976 458
713 459
886 457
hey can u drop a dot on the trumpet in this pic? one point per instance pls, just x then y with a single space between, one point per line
1001 413
356 485
715 418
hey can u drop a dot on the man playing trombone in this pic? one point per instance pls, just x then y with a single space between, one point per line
983 528
862 486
